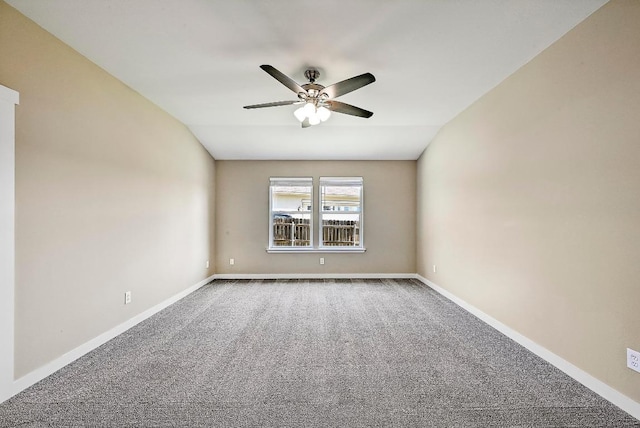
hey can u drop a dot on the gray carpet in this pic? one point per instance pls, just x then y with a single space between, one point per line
332 353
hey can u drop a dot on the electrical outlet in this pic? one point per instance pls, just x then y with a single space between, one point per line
435 269
633 360
207 264
232 262
127 297
321 260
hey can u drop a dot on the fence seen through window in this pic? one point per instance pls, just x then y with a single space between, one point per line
292 211
341 212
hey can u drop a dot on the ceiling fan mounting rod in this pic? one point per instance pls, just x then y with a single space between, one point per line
311 74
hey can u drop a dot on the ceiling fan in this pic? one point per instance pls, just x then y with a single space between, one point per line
318 101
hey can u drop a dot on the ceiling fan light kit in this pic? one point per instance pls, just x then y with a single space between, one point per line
318 101
313 113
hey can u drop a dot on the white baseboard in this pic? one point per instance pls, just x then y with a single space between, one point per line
313 275
605 391
55 365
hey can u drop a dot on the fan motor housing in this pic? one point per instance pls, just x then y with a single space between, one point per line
312 86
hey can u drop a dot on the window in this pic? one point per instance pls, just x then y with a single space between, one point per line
341 212
290 213
292 208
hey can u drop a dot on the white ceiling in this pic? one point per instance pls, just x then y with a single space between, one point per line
199 60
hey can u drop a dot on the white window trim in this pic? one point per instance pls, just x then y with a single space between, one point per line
316 210
341 181
293 181
325 250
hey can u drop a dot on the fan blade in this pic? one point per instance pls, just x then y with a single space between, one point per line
339 107
284 79
273 104
305 123
346 86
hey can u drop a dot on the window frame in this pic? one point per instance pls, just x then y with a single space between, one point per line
336 182
291 181
316 210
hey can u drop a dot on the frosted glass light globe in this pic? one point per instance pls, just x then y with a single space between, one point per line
309 109
324 113
300 114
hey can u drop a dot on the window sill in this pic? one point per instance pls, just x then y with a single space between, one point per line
290 250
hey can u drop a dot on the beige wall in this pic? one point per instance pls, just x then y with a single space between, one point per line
112 194
242 217
529 201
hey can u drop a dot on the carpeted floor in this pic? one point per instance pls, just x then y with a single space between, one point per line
307 353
